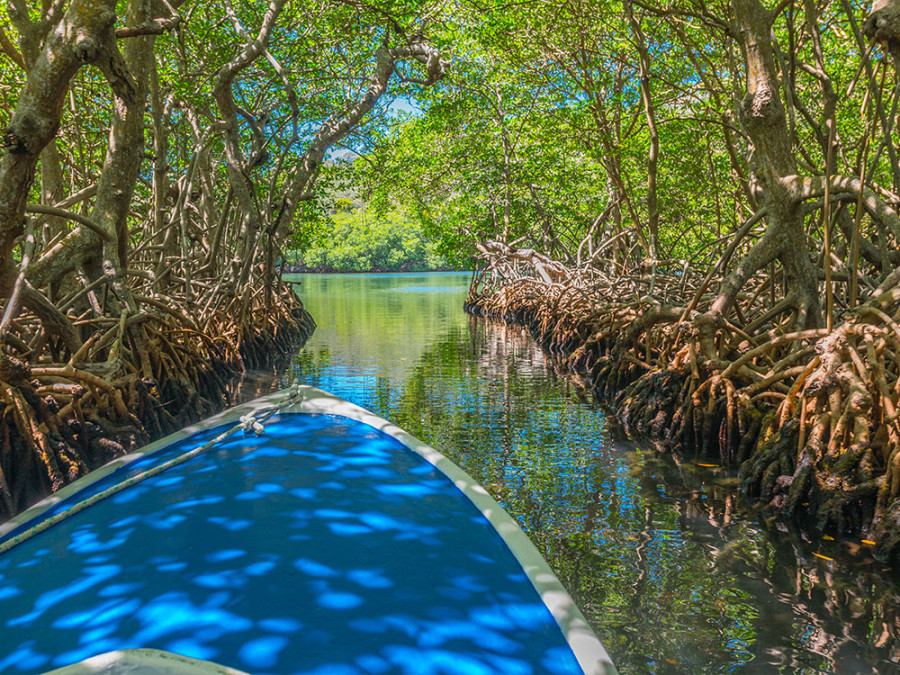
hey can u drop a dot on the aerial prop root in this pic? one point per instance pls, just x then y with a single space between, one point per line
811 418
61 420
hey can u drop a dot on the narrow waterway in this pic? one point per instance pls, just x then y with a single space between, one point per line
674 573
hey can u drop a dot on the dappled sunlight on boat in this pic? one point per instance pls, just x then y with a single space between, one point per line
307 549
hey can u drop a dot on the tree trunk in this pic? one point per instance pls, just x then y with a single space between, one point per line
653 154
84 33
772 160
883 24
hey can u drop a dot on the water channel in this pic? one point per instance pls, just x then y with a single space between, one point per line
675 573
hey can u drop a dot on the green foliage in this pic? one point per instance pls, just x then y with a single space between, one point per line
357 240
537 136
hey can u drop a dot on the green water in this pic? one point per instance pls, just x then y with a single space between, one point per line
674 573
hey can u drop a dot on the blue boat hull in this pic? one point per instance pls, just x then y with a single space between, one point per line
326 544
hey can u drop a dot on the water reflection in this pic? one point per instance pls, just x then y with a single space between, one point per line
671 569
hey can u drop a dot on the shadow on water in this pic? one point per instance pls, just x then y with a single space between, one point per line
674 572
286 553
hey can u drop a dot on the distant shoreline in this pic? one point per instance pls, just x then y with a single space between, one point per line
306 270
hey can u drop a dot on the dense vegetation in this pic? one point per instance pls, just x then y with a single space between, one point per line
695 201
696 204
356 239
155 157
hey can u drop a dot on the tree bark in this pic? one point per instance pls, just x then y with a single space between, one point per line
129 76
238 174
883 24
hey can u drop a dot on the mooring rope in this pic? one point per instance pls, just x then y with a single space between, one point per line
250 422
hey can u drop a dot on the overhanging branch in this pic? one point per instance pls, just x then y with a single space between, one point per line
801 189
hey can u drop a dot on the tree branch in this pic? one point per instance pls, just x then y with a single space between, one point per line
802 189
70 215
154 27
10 50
